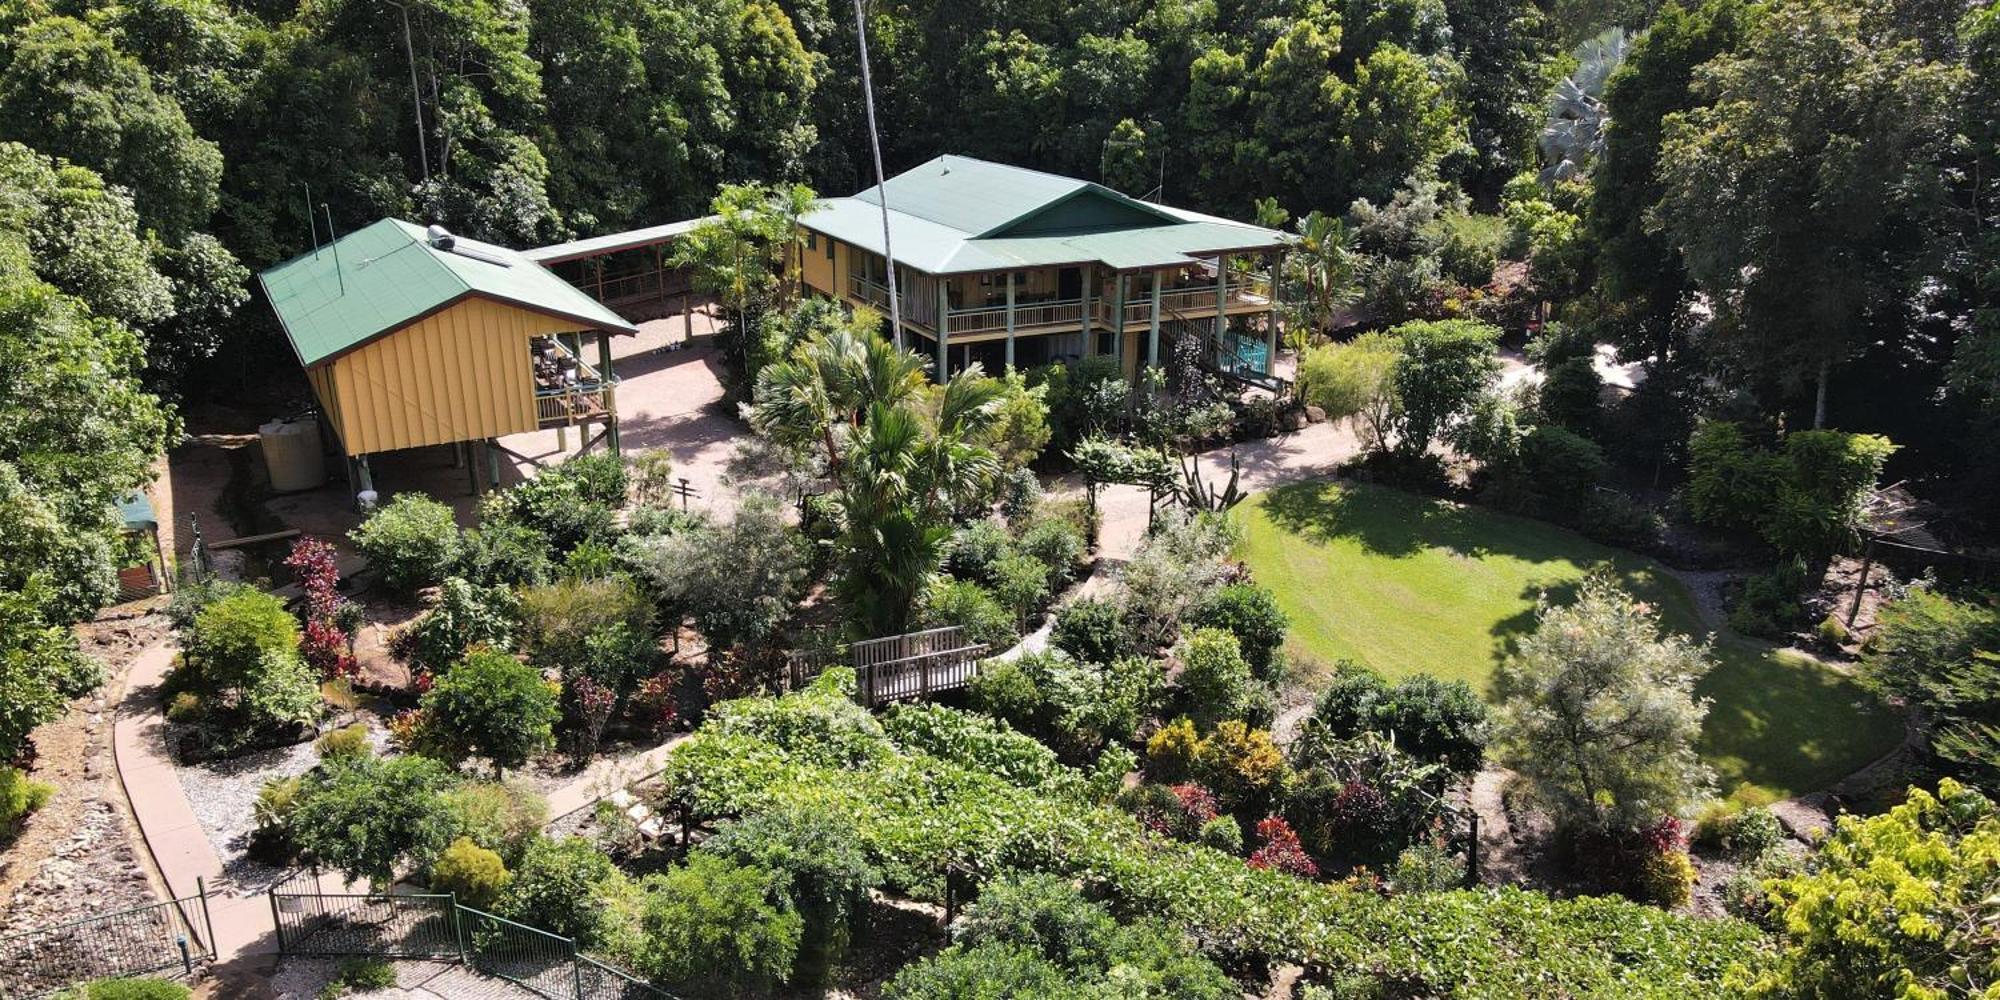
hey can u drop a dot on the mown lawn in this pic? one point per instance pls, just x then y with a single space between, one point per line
1407 584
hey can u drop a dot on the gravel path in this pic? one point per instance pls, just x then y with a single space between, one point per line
304 979
224 796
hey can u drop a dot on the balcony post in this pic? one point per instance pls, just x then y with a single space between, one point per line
1275 261
1089 316
1118 321
943 330
1010 321
1153 331
1221 302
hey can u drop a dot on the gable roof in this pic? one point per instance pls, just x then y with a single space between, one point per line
956 214
389 276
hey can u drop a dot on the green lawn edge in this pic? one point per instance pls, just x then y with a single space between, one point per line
1411 584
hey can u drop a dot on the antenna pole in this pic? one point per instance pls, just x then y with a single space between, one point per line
416 94
333 244
311 223
881 184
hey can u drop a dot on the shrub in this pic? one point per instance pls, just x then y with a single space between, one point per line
559 886
975 548
553 504
501 817
493 705
1057 544
136 989
1427 867
989 970
19 796
1092 630
504 554
1021 584
1251 614
1174 571
474 874
1616 519
345 742
1074 707
1768 606
603 628
1155 806
359 975
461 615
973 608
1172 752
819 862
1360 800
1279 850
1242 764
715 928
412 541
1747 834
368 817
1571 396
1215 681
1562 468
184 708
1222 834
231 637
1665 877
1020 492
273 810
1010 690
1432 720
601 477
979 742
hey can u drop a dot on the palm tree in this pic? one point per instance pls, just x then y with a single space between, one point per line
904 455
1574 135
1324 270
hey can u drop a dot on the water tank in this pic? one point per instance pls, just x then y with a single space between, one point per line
292 454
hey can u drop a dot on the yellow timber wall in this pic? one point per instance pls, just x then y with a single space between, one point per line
460 374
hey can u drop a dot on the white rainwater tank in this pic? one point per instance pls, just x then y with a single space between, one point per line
292 453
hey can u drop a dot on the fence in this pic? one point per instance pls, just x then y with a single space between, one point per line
436 927
896 667
175 935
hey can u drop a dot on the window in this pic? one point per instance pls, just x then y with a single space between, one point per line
812 240
829 248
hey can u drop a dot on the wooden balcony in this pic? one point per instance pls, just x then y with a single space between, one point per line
1245 294
568 391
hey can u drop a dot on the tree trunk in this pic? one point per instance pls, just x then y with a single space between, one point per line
1819 402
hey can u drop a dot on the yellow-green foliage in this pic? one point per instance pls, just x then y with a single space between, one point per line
1902 905
1239 762
1172 752
19 797
1667 878
471 872
345 742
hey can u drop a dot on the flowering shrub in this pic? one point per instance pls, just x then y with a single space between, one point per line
587 708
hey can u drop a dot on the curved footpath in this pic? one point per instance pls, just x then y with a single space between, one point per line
180 849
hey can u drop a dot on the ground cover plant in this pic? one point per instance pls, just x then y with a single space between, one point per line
1410 585
916 814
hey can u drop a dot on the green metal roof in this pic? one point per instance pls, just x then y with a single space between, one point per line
388 275
957 215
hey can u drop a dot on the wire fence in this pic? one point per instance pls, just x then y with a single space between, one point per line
437 927
174 937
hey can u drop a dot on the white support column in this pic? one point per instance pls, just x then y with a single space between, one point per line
1276 263
1089 315
1118 321
1221 301
943 331
1010 320
1153 333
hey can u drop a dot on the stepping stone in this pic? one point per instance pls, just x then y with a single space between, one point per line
622 799
653 828
639 813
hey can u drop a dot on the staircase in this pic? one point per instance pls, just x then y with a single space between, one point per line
1225 355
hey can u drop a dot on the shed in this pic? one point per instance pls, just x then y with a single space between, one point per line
413 337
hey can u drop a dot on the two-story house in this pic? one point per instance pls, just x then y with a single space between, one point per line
1007 266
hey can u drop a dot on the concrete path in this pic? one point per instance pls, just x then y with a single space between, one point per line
167 822
1315 452
607 775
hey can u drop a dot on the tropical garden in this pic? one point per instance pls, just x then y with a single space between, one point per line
1659 339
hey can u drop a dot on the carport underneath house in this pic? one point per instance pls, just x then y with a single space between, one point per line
412 337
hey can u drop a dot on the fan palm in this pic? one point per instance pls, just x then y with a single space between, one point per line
1574 135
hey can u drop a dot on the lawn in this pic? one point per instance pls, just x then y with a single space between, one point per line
1407 584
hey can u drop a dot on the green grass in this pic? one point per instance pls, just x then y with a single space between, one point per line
1407 584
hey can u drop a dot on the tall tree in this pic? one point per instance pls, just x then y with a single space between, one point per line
1806 194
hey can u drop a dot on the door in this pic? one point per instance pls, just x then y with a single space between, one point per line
1069 283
